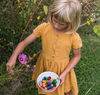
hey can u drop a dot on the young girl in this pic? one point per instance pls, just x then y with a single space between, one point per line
58 38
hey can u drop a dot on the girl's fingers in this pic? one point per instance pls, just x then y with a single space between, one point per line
61 82
8 68
58 78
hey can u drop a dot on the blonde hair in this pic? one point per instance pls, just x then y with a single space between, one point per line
67 11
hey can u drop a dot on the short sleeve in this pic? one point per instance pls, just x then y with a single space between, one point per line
39 30
76 41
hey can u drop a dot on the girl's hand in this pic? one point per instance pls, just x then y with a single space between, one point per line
62 78
10 65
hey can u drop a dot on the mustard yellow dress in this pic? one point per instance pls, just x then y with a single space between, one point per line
55 56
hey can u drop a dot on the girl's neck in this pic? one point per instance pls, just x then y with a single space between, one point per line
60 31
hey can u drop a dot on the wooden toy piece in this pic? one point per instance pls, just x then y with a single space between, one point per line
48 84
44 85
44 78
44 81
51 85
52 88
55 80
54 85
41 81
47 80
45 88
51 80
41 84
48 87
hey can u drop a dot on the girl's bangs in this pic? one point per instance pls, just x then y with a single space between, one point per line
59 17
63 17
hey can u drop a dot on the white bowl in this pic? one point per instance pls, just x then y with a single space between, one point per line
47 74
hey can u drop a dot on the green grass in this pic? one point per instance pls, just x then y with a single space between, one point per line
87 70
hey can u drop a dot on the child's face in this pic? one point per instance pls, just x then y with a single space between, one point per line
58 25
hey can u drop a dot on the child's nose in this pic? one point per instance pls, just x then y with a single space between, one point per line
56 25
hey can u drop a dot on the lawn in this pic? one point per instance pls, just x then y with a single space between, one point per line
87 70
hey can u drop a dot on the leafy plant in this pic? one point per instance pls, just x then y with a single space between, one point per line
45 9
96 29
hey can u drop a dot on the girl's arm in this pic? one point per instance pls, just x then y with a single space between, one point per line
71 64
11 63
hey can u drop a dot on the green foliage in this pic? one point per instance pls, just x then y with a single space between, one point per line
45 9
34 1
90 9
96 29
14 16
